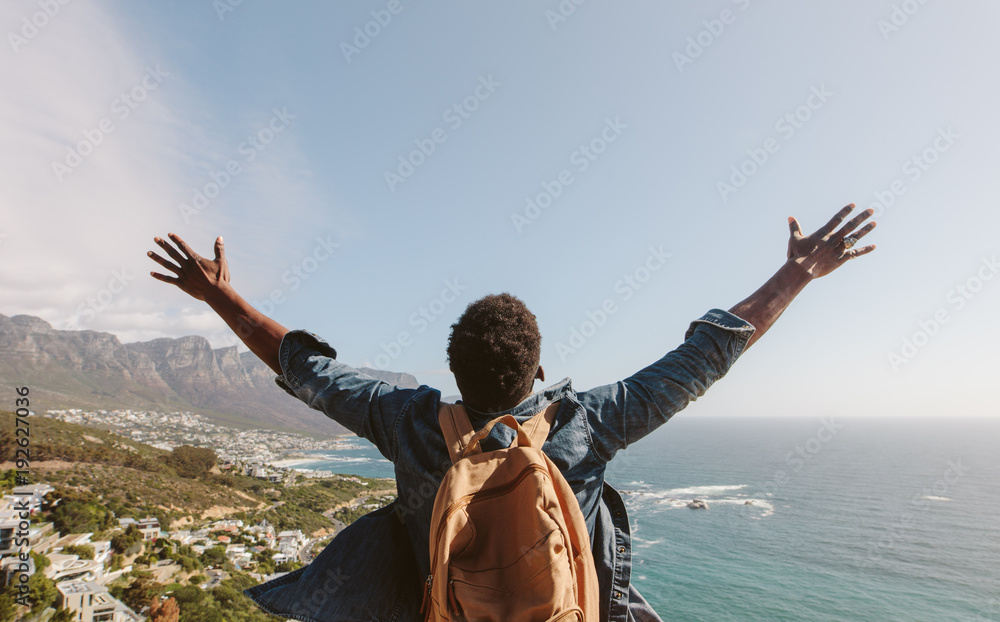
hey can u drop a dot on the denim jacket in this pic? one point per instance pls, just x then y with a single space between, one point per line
375 569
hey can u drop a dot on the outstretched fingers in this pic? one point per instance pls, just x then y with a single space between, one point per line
835 221
854 223
163 262
170 250
166 279
183 246
863 231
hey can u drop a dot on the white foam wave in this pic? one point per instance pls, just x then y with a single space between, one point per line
640 543
729 494
702 491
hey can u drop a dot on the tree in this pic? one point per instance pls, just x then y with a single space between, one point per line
128 542
215 555
8 480
78 516
41 592
41 561
63 615
141 592
188 563
189 594
227 598
8 609
164 610
288 566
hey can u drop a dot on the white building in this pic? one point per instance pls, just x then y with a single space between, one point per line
91 602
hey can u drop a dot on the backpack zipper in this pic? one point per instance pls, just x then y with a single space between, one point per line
427 594
455 608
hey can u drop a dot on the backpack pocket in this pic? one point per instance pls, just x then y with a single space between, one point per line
527 589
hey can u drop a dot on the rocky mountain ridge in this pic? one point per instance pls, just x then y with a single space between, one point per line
94 370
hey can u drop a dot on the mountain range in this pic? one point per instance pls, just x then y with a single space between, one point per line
93 370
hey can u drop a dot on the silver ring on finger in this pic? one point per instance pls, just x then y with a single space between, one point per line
850 241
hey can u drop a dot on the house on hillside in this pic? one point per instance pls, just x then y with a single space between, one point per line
72 568
91 602
149 526
40 536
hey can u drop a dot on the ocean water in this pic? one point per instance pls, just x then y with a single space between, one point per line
851 519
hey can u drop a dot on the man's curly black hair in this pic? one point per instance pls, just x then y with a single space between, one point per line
494 350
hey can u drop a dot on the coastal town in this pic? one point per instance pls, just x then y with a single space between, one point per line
95 573
166 430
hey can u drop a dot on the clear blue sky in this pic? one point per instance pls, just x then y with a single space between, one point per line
665 98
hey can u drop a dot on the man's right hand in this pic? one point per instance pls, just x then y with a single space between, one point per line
196 276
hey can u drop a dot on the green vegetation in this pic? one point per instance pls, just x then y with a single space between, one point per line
139 592
8 480
83 551
137 494
56 440
41 592
79 512
128 542
302 505
63 615
112 477
191 462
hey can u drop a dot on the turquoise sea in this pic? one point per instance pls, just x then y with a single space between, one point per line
851 519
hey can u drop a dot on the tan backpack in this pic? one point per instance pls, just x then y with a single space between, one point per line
508 540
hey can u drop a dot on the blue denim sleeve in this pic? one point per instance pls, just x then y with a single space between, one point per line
622 413
364 405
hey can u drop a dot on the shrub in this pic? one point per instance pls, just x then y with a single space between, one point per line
191 462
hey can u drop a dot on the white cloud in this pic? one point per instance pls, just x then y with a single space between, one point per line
72 250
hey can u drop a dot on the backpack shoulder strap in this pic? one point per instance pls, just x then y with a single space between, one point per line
456 428
458 432
538 426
